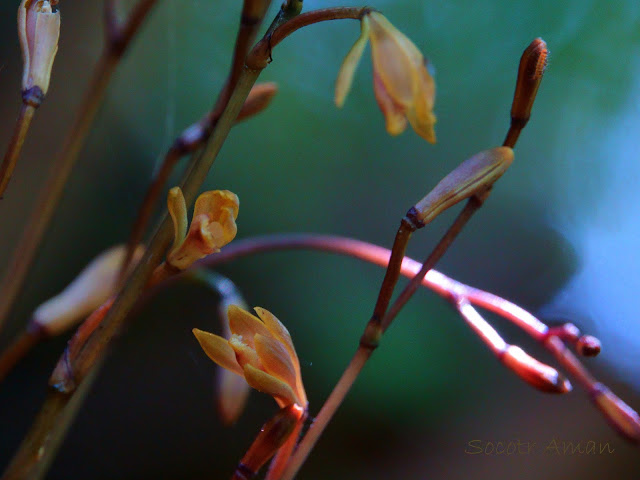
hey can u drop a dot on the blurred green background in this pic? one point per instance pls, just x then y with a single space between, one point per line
559 236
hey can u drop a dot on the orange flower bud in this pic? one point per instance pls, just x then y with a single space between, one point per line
261 350
39 30
403 87
212 227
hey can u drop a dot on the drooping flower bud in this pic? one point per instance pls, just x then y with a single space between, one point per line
404 89
39 30
95 284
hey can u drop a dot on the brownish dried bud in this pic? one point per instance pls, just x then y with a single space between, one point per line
532 65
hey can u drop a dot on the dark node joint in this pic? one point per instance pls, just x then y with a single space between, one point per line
33 96
411 218
368 344
249 20
117 44
244 471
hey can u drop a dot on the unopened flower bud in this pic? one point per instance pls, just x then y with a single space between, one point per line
473 176
532 66
537 374
403 87
623 418
95 284
258 99
39 30
212 227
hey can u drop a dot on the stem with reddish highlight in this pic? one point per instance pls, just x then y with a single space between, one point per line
449 289
15 146
16 351
118 40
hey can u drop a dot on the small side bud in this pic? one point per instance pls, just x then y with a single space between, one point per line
471 177
620 415
39 31
272 436
95 284
588 346
258 100
537 374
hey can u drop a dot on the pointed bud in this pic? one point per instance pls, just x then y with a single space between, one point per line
620 415
537 374
272 436
39 30
95 284
471 177
258 99
532 66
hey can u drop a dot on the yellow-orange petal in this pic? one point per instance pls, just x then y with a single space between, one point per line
215 201
275 359
245 324
178 211
394 114
218 350
245 355
394 59
421 115
266 383
278 330
350 63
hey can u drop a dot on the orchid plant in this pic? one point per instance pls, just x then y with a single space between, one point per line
257 351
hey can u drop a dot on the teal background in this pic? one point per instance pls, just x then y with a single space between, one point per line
558 235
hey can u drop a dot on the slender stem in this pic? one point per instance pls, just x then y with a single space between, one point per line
49 197
471 207
253 12
373 330
260 56
15 146
17 350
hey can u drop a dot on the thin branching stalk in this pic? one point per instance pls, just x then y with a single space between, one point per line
60 407
119 38
251 17
15 145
